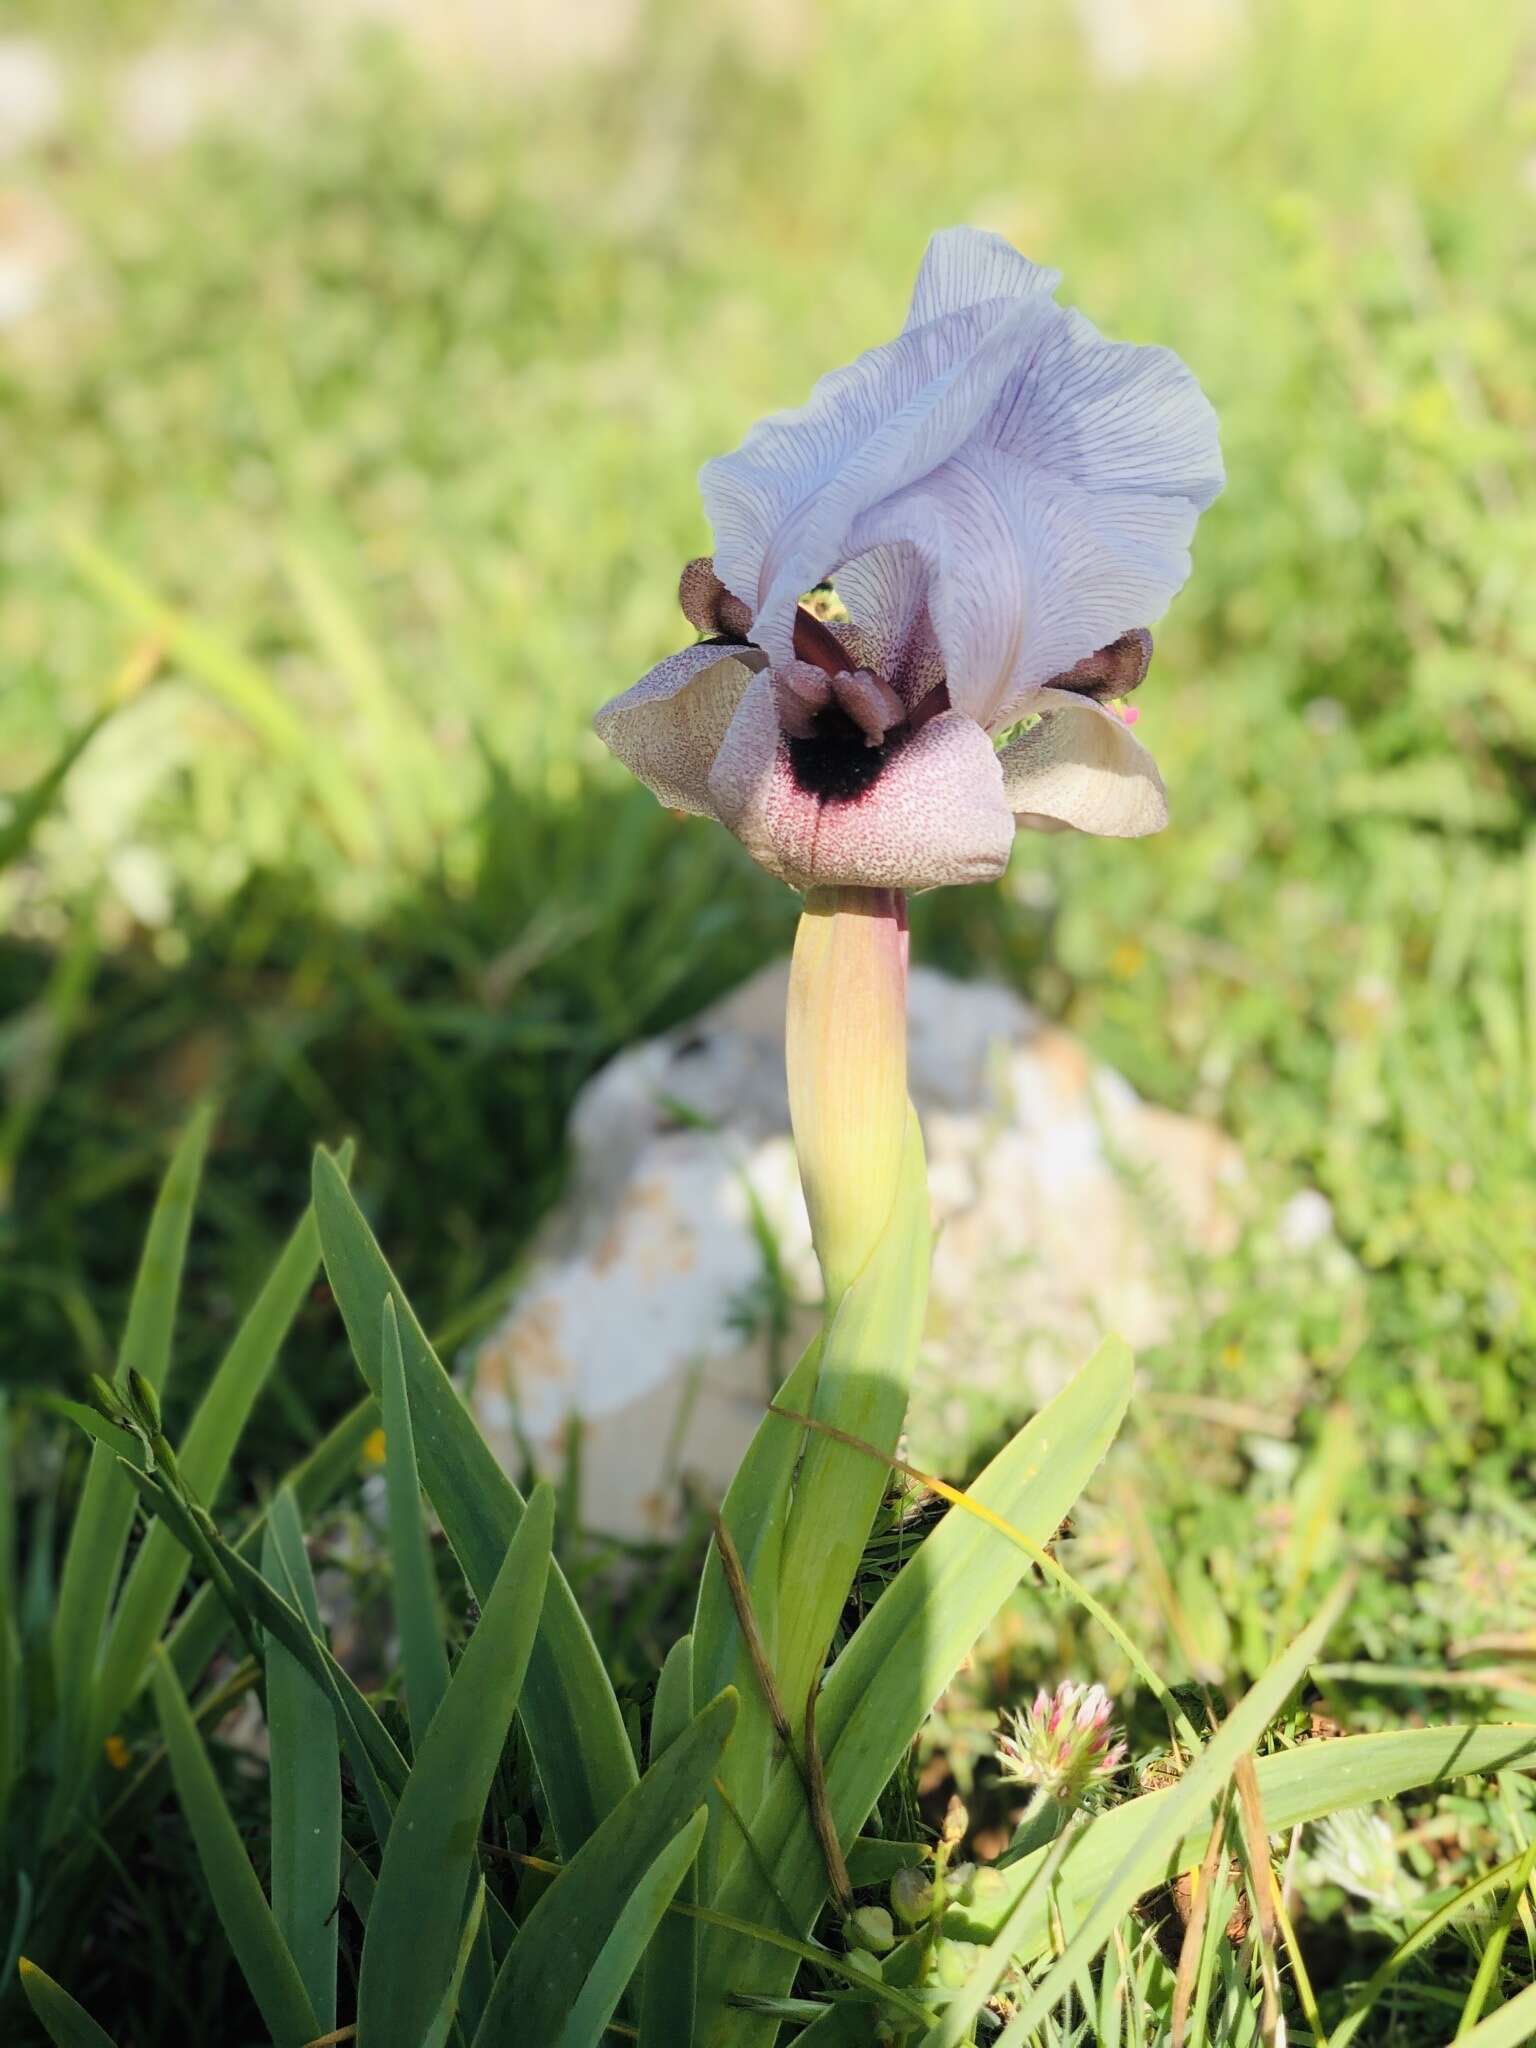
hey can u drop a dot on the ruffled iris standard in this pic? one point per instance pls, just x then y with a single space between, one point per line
1002 501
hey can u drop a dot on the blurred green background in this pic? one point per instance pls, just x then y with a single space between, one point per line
354 374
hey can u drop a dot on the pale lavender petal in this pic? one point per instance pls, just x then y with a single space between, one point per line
783 503
1108 415
935 814
1028 572
668 728
965 266
1081 766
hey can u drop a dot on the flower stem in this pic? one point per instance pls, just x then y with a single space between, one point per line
846 1056
861 1164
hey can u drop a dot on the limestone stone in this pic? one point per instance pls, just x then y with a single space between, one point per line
1064 1207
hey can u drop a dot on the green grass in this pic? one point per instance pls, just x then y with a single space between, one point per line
381 420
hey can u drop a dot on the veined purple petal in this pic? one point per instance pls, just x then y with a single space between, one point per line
1003 471
965 266
1029 571
783 503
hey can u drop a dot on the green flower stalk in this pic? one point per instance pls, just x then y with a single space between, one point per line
860 1153
846 1057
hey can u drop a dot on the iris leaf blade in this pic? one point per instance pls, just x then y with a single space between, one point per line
568 1925
241 1904
305 1778
568 1708
623 1952
105 1515
422 1653
158 1572
416 1918
65 2021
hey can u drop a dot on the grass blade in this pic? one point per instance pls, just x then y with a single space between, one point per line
1146 1857
305 1777
156 1577
1509 2026
565 1932
415 1596
1493 1954
672 1960
30 806
1428 1931
754 1512
203 1623
105 1514
568 1707
418 1906
241 684
11 1732
243 1911
66 2023
625 1949
474 1928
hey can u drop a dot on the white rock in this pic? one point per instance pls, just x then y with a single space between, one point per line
1060 1200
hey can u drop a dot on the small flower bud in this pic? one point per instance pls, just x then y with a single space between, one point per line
870 1927
106 1397
956 1823
954 1962
911 1896
1062 1744
145 1400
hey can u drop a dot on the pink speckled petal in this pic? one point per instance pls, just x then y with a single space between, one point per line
1080 766
668 728
936 813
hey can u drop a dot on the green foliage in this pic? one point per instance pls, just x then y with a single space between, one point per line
68 2024
304 1773
429 1864
573 1722
100 1529
243 1910
453 1941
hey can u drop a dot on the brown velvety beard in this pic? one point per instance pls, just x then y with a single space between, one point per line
837 764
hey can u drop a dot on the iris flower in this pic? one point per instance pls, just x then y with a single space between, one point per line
1002 500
